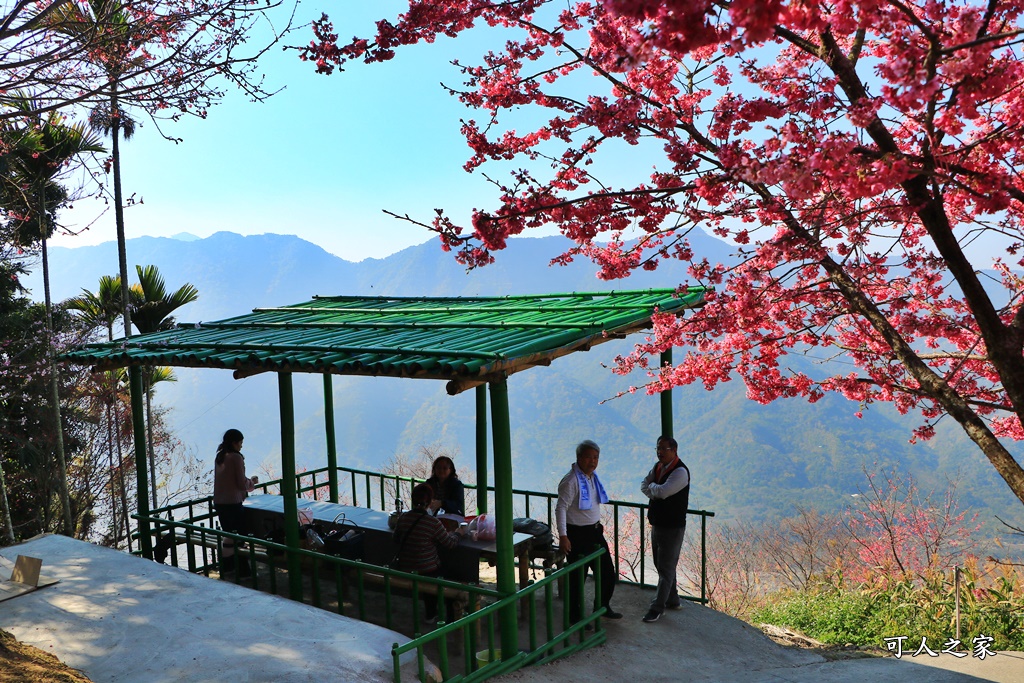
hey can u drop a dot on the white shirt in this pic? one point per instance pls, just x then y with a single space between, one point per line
567 509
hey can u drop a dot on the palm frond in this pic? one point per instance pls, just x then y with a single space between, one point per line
152 305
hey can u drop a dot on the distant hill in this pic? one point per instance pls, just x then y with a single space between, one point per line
747 460
236 273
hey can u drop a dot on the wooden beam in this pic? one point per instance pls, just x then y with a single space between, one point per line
242 373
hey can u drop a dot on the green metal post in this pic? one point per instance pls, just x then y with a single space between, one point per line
666 398
503 514
703 559
291 514
332 449
481 449
139 433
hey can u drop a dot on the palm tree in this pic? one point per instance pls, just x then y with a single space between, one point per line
103 308
152 305
45 144
151 376
151 311
109 19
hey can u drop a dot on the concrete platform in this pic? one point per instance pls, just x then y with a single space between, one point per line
120 618
699 645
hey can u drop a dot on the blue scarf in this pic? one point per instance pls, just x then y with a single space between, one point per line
585 502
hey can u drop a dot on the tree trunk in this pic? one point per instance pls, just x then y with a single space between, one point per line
149 439
122 263
122 253
62 470
125 510
8 522
110 396
111 436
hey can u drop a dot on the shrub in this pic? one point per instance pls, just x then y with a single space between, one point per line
991 605
833 617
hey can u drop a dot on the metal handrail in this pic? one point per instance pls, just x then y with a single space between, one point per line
560 638
623 513
558 642
194 532
536 653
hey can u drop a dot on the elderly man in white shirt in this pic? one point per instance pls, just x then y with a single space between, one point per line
578 521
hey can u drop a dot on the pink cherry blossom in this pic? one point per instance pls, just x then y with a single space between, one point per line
850 151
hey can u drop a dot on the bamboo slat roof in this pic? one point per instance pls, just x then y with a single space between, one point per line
465 340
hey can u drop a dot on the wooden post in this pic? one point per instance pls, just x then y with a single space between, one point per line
139 434
666 398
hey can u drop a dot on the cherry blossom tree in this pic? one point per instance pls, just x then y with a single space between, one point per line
168 57
852 152
900 533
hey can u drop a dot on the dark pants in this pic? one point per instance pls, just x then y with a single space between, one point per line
666 542
232 518
585 540
430 601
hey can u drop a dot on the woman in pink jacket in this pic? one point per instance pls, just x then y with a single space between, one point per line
230 488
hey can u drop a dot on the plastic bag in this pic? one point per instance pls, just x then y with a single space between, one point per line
483 528
305 516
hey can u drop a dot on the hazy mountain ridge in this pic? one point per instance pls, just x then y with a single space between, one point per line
747 460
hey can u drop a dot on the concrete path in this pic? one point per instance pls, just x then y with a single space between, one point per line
123 619
120 618
699 645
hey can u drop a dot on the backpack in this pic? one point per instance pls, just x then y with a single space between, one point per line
541 532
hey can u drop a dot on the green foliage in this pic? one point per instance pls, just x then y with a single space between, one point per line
151 303
927 609
37 152
831 617
26 435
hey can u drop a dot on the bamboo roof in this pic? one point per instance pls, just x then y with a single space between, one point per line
464 340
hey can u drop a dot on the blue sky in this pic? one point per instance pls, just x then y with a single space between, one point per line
325 156
321 159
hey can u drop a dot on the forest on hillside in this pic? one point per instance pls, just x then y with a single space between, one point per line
750 462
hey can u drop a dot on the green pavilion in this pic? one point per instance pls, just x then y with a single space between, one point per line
467 342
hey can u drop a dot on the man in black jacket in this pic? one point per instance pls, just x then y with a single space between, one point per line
667 486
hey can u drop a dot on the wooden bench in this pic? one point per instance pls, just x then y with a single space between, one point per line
460 599
210 541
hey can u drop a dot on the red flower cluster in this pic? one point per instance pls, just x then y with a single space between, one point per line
851 150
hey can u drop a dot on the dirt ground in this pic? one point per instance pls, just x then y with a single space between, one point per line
20 663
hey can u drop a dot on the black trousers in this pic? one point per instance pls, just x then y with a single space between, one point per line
585 540
430 601
232 518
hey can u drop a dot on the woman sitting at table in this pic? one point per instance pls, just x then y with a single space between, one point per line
449 493
419 536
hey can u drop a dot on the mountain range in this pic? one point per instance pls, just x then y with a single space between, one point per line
747 461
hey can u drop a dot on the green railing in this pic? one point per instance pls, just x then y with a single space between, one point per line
346 574
629 538
475 632
487 662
